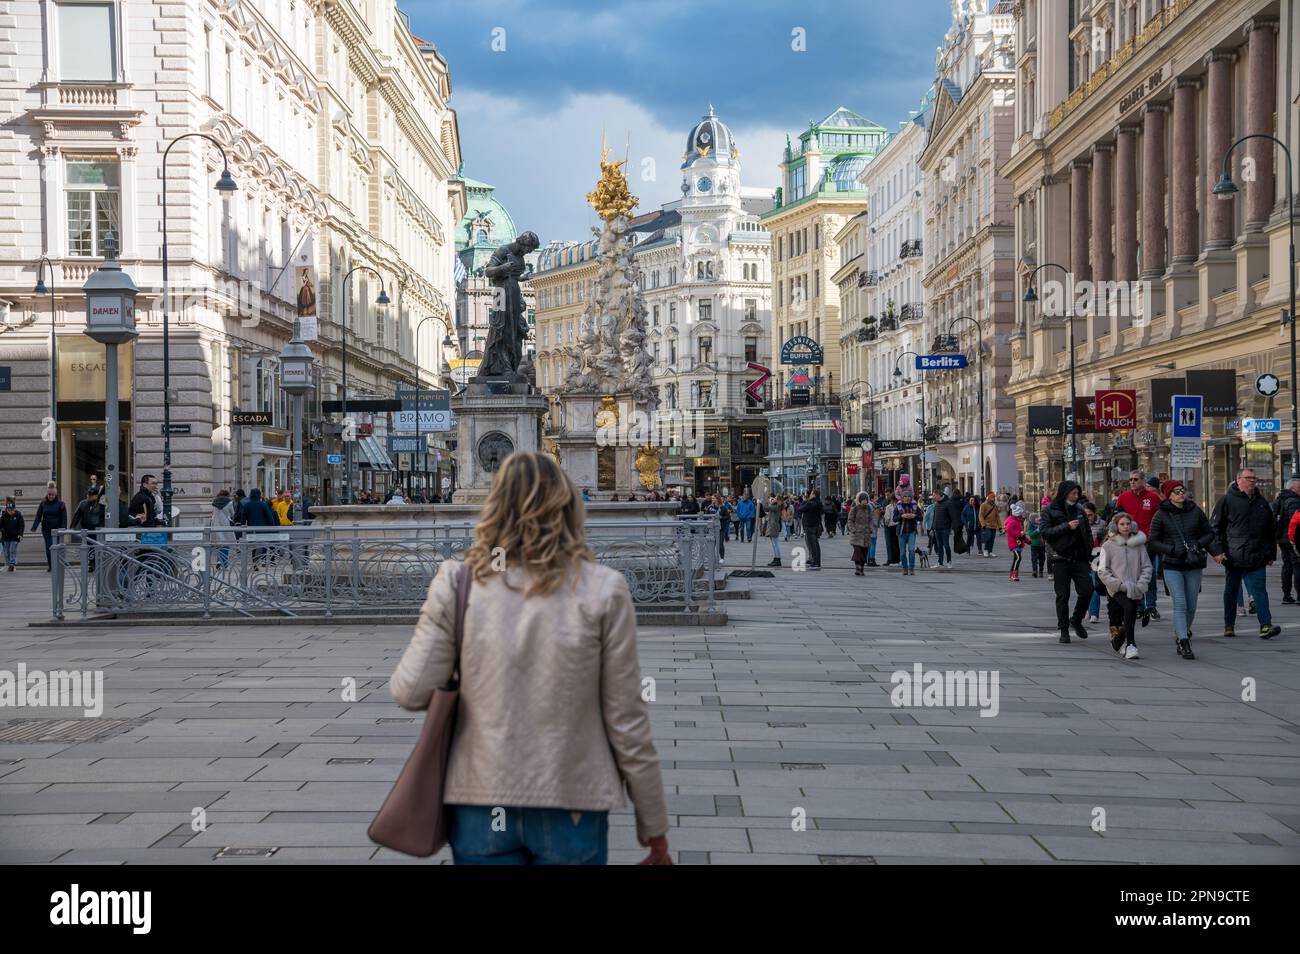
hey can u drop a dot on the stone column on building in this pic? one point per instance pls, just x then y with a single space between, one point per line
1260 104
1126 204
1154 232
1103 267
1216 266
1181 285
1080 269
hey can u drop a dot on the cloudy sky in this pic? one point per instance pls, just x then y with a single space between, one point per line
536 81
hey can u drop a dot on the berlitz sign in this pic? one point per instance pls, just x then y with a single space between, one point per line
940 362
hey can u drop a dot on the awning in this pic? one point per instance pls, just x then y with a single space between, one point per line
379 455
363 455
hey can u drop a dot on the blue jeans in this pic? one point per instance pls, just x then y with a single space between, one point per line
1256 585
907 549
747 529
1149 600
1184 587
11 552
942 545
871 548
1094 607
527 836
987 536
776 547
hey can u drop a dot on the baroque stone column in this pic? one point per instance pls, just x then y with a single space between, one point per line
1218 95
1103 268
1184 171
1260 98
1153 190
1126 203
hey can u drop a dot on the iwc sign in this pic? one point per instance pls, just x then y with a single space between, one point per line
493 448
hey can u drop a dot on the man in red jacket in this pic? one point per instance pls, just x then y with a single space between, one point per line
1141 502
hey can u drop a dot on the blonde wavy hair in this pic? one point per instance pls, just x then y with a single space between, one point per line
535 513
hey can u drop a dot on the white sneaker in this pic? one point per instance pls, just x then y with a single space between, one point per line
1093 619
1131 652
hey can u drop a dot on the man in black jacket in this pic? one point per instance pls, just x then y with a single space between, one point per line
1244 523
143 510
947 516
1065 531
1284 508
811 514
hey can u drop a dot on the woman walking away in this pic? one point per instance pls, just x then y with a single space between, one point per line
787 516
846 507
1099 528
860 527
551 723
1016 539
773 529
892 557
1181 534
908 516
1125 570
1037 552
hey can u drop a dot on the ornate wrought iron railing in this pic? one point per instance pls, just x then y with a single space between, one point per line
319 571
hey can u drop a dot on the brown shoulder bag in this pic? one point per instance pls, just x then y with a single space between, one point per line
413 819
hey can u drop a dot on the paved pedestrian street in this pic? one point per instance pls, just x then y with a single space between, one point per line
779 740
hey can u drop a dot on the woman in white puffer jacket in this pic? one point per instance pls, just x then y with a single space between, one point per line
1124 568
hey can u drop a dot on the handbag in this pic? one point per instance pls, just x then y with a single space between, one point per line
413 819
959 543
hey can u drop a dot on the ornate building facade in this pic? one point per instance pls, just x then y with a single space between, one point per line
705 278
819 193
969 248
335 125
1126 111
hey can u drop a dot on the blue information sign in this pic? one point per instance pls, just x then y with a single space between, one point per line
1262 425
940 362
334 458
1188 409
408 445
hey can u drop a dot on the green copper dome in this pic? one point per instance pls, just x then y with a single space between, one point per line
486 224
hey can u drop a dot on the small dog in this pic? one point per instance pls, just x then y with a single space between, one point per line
923 558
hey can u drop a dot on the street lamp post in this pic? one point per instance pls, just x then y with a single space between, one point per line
382 300
42 264
1224 188
898 373
226 187
1030 298
446 343
979 345
110 320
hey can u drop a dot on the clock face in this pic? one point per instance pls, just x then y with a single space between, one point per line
704 138
705 184
686 187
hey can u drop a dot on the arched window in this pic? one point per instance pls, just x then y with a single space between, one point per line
482 237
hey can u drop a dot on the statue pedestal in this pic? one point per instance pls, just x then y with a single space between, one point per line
602 459
489 426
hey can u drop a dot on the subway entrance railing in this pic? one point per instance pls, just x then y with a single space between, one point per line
317 571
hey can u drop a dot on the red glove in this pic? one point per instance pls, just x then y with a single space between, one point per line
658 851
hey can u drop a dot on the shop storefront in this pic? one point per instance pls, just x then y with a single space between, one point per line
81 413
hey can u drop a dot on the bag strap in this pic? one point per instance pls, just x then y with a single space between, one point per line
463 582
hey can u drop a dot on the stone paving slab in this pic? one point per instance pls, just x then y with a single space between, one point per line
786 707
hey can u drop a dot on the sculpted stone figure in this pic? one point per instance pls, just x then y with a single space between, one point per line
508 322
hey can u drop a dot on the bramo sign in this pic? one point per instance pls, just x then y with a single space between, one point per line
940 362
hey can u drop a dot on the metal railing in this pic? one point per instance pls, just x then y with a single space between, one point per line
321 571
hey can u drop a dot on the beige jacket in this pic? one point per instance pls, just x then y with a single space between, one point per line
550 712
1125 566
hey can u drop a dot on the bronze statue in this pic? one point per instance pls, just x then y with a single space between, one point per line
508 321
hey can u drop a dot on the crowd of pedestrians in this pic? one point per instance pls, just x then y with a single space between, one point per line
1148 537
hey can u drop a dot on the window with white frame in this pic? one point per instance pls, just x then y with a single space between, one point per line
93 201
87 42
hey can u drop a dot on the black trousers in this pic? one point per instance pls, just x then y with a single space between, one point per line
1122 612
1289 574
814 547
891 545
1065 572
